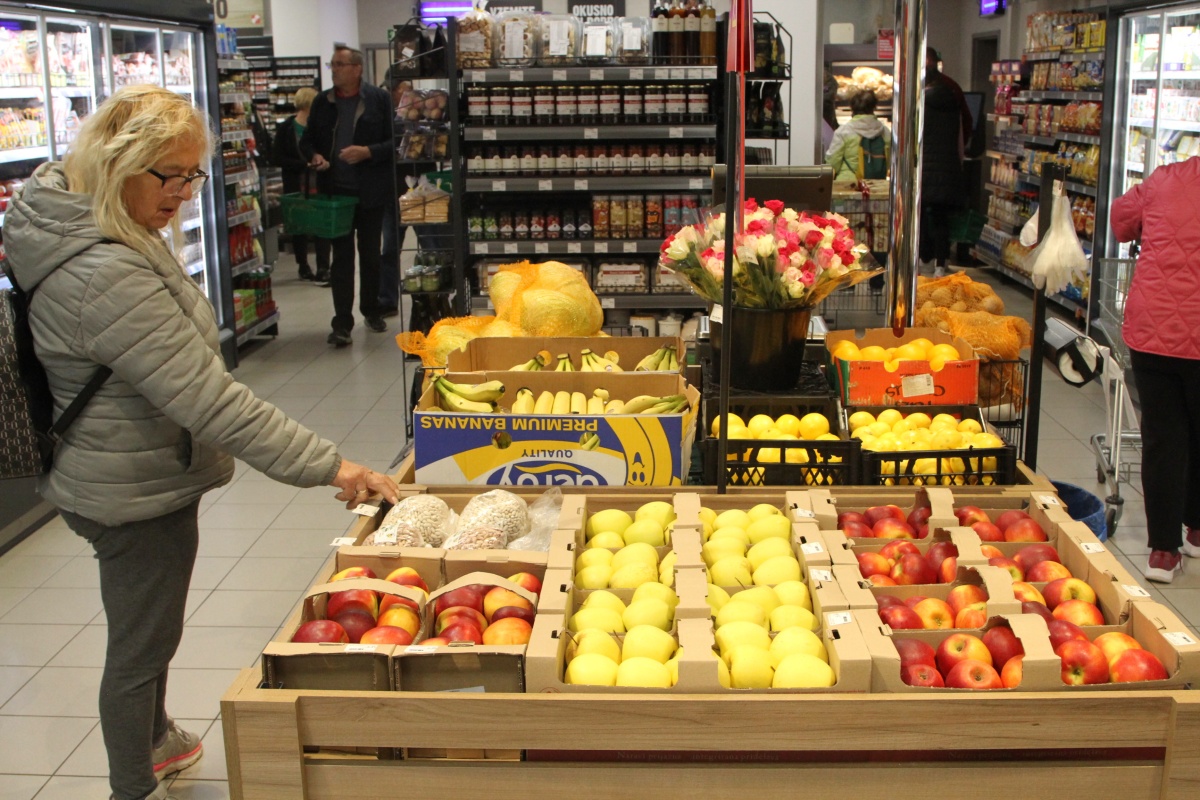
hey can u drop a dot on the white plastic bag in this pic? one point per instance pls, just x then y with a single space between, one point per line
1058 259
543 520
1029 230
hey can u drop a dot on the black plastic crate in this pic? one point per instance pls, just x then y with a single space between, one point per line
802 462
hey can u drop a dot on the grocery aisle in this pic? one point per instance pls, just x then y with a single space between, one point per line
262 544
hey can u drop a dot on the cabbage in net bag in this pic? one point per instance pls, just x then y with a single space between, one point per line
450 334
549 299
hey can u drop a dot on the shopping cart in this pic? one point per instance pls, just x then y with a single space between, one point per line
858 306
1119 447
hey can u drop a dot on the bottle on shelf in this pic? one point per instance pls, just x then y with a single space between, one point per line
708 33
660 39
691 31
677 32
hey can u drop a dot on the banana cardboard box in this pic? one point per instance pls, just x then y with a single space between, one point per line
585 354
567 443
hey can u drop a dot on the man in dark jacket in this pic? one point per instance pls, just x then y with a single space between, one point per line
349 142
943 187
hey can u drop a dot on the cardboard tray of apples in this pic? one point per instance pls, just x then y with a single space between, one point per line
974 595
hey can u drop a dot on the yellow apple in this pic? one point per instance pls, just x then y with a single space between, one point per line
604 619
636 553
633 575
776 570
707 515
607 539
763 510
797 640
596 577
785 617
593 556
647 641
612 519
722 672
592 669
768 548
596 641
740 633
716 598
802 671
660 511
647 611
725 547
666 576
773 527
733 533
735 517
741 611
604 599
750 668
645 531
673 668
644 672
762 596
656 591
731 571
794 593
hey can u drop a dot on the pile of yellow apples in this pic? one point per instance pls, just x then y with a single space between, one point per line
621 552
917 350
614 644
748 548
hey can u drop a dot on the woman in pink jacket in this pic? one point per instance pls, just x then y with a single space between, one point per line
1161 330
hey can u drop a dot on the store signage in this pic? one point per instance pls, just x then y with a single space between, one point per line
885 44
514 5
588 11
992 8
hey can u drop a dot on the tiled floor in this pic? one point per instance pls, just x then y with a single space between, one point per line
262 544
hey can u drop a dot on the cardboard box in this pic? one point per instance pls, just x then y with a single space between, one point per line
427 561
499 355
1160 631
861 595
577 510
560 593
824 505
546 450
844 551
870 383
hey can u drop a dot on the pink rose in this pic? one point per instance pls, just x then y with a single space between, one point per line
827 259
751 206
776 206
813 238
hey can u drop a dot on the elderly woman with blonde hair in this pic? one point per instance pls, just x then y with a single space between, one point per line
85 238
293 163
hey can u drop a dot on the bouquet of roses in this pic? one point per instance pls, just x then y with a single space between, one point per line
782 258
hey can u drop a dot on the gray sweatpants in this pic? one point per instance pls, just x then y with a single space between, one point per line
145 569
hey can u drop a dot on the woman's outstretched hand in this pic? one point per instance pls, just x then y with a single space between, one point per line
357 483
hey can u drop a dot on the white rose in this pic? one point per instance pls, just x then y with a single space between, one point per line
678 249
765 247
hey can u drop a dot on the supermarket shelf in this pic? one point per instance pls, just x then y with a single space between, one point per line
1062 136
1051 94
236 136
20 93
24 153
649 182
1165 124
995 187
1043 55
1016 115
246 266
576 74
1072 186
233 63
257 328
625 301
1091 54
235 97
73 91
236 177
1134 166
1006 227
245 216
575 133
1023 279
1004 156
183 89
584 246
1173 75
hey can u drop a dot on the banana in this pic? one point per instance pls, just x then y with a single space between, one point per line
488 392
562 403
601 363
545 403
640 403
590 441
564 364
674 365
602 394
578 403
524 402
650 362
532 365
452 401
595 405
614 407
613 356
585 363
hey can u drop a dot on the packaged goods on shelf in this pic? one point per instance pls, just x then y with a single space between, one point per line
22 127
560 40
516 39
20 58
623 276
475 46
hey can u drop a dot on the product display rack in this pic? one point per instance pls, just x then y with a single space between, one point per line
274 81
843 59
781 134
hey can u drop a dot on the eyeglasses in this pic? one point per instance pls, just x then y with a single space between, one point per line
334 64
174 184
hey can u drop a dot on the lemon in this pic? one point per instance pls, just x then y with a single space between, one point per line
879 427
797 456
911 440
732 420
812 425
862 433
788 437
892 364
788 423
867 442
846 350
986 440
910 352
860 418
970 426
740 433
768 455
828 437
773 433
944 419
901 427
890 416
937 364
946 352
947 439
872 353
759 424
918 419
922 344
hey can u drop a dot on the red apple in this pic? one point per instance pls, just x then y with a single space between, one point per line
915 651
1009 517
1012 567
898 547
469 596
401 617
987 532
918 516
912 569
873 564
1003 644
1032 554
922 531
527 581
1061 590
972 674
939 552
1114 643
901 618
352 572
435 641
911 602
1012 673
1025 530
857 530
407 576
462 631
991 551
969 515
516 612
881 580
964 595
362 599
1027 592
1034 607
1062 632
875 513
935 614
499 597
892 529
1132 666
973 616
1082 663
389 600
959 647
885 600
320 630
457 614
509 630
1045 572
851 516
1079 612
355 622
386 634
921 675
948 571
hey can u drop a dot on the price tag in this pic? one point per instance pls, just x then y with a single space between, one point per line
835 618
392 537
596 74
574 247
662 74
678 73
1134 590
717 315
675 132
545 186
821 575
1048 500
559 75
365 510
637 74
695 74
696 183
489 134
601 247
608 302
916 385
516 75
541 247
482 249
420 649
1092 547
581 185
1178 638
591 133
804 513
629 247
343 541
499 186
510 248
361 648
812 548
477 76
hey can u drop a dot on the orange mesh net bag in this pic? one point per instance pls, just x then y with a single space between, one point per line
957 292
450 334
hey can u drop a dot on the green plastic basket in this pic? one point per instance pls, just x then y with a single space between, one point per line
325 216
966 226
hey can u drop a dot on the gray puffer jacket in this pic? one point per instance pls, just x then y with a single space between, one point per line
161 430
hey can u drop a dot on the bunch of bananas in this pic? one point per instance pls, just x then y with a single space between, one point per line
535 364
565 403
589 441
477 399
664 359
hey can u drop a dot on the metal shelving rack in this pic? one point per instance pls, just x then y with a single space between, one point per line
782 136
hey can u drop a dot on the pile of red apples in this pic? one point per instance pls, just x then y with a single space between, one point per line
477 614
890 522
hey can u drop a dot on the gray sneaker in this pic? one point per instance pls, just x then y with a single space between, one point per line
180 751
159 793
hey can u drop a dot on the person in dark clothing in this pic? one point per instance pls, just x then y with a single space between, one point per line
943 187
934 74
349 143
293 163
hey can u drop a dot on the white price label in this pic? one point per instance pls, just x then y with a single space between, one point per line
596 74
629 247
695 74
391 537
574 247
821 575
637 74
835 618
916 385
420 649
804 512
812 548
489 134
1178 638
678 74
361 648
482 248
510 248
591 133
365 510
675 132
1048 500
1092 547
478 76
546 186
662 74
343 541
696 183
559 75
608 302
1134 590
541 247
581 185
717 315
600 247
516 75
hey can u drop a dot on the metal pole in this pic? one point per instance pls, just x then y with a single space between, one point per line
733 221
907 125
1051 174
